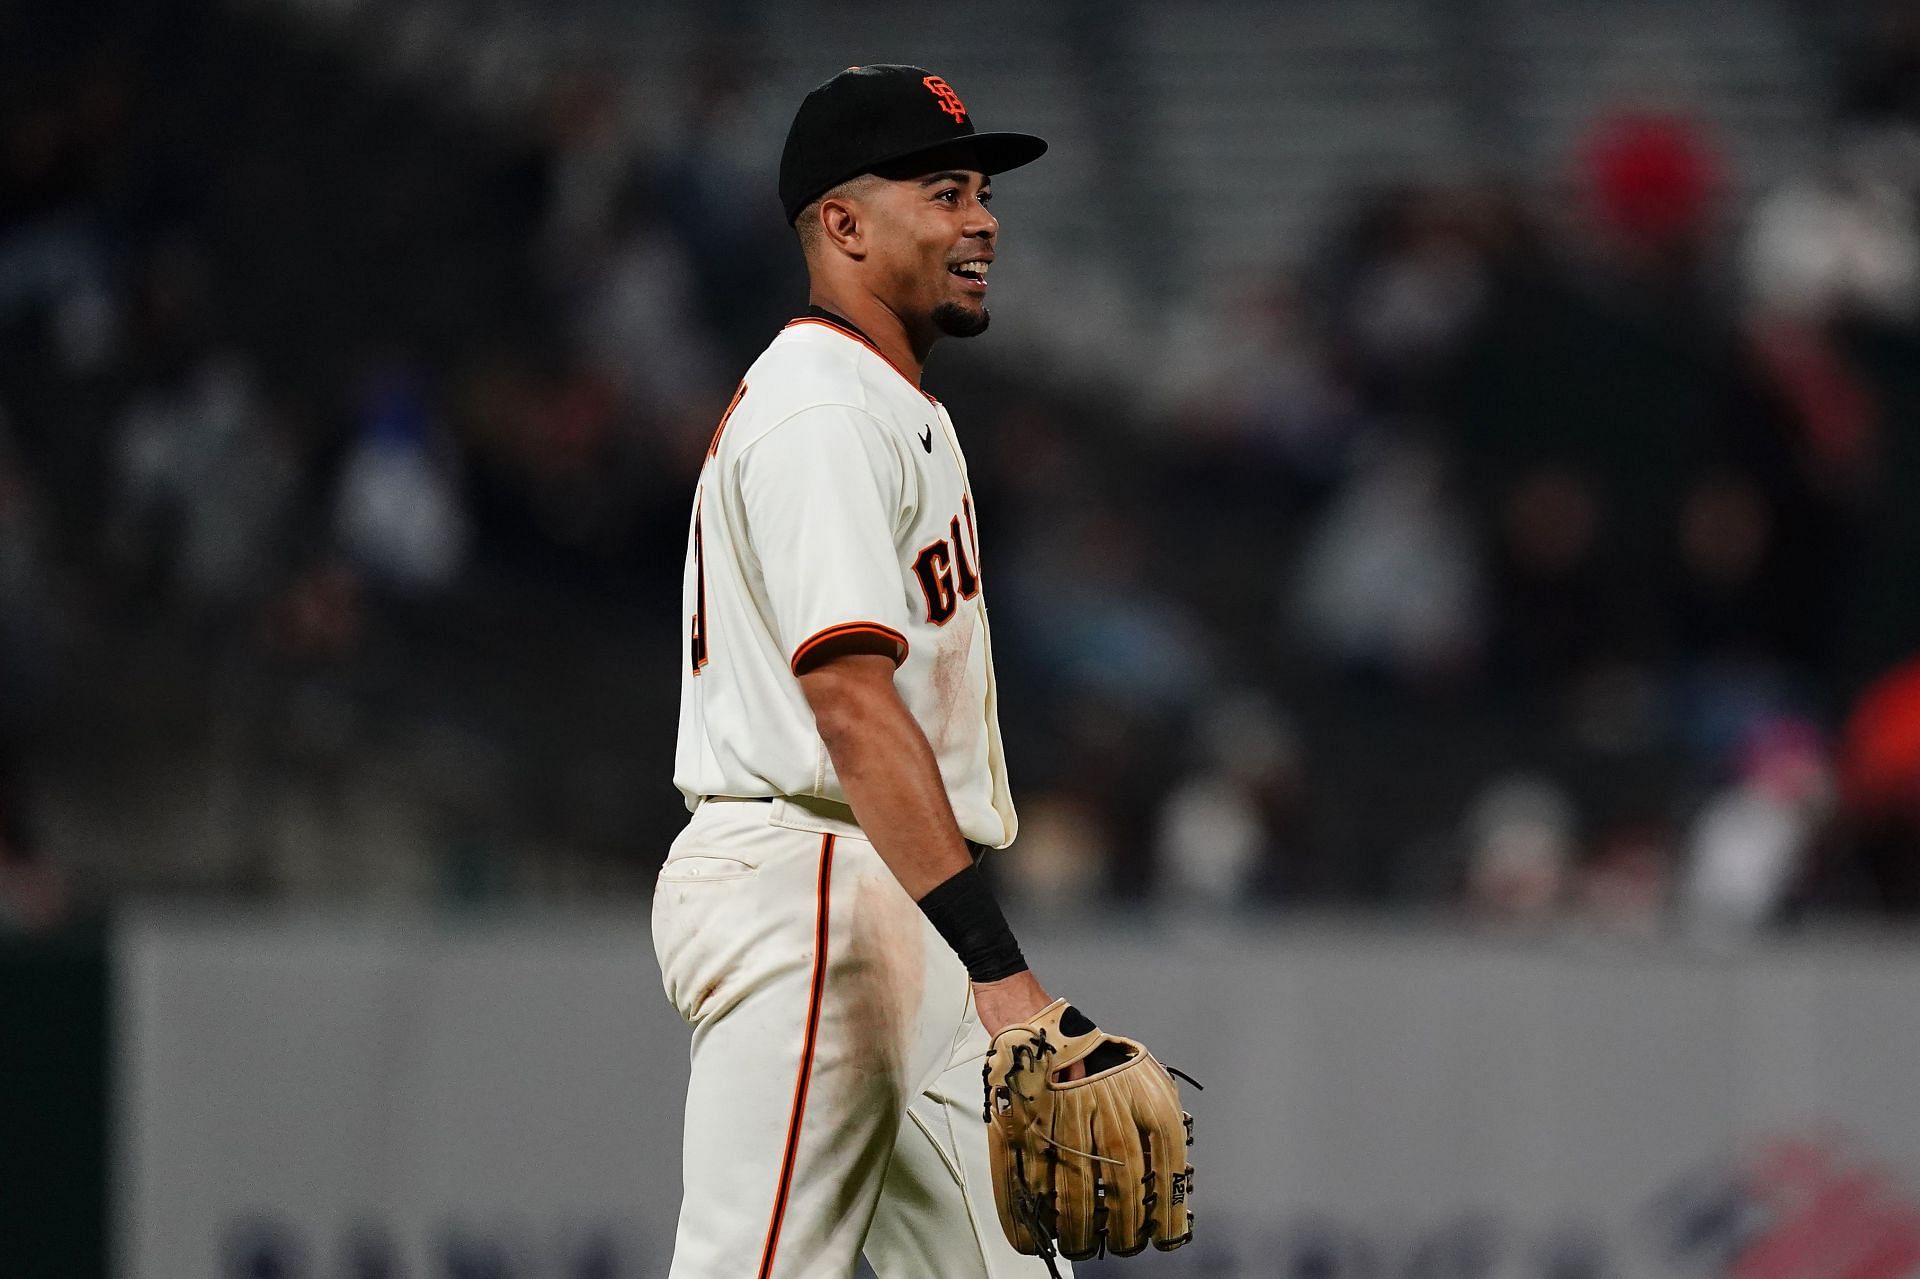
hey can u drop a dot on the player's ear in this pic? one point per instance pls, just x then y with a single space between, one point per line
843 226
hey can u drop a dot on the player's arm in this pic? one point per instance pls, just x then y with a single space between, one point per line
822 493
891 779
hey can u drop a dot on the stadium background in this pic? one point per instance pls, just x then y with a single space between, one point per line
1448 468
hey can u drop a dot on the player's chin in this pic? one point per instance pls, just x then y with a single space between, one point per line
961 319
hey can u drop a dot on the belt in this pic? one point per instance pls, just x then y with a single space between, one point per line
821 808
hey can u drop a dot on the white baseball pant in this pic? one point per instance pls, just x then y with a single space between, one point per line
834 1104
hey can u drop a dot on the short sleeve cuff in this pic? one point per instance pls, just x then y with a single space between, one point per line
814 641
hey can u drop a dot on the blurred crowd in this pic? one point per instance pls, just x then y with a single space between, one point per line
1540 550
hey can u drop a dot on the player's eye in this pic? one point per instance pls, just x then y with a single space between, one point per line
951 195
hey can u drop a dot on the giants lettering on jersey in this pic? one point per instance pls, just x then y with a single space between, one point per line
947 570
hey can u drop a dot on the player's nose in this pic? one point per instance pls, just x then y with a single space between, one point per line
982 225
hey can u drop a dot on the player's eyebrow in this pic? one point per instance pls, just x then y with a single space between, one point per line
952 175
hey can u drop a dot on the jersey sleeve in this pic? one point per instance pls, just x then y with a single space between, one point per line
822 494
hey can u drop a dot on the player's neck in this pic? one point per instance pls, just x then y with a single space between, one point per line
878 323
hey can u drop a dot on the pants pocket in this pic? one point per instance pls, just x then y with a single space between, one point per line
699 903
705 868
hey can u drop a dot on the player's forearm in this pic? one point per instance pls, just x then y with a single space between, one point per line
892 781
890 777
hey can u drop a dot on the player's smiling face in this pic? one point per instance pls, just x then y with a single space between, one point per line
934 253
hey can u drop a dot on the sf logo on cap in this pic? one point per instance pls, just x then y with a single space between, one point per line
949 100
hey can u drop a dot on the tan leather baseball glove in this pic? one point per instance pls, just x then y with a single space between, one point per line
1090 1165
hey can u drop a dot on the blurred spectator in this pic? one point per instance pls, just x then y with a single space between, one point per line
1105 765
569 481
629 316
1249 381
1522 844
202 478
1824 254
1880 788
1842 244
1749 846
1416 280
1833 273
1100 623
1654 182
586 152
397 511
721 205
1625 884
1063 861
54 158
1390 583
1230 833
1591 403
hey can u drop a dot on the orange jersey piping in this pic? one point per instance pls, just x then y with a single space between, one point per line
850 628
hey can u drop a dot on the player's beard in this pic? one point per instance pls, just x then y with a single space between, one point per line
957 321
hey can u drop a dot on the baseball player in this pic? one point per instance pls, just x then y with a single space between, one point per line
821 922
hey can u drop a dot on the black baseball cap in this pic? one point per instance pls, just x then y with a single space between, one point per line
867 119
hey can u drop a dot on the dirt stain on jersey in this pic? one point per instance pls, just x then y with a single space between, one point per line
953 712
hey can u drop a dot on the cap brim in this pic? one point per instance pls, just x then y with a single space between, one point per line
990 153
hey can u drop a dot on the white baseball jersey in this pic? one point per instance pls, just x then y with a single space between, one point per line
834 499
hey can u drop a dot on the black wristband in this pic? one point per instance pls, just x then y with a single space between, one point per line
964 912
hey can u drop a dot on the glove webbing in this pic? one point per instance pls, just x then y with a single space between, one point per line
1028 1206
1027 1203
